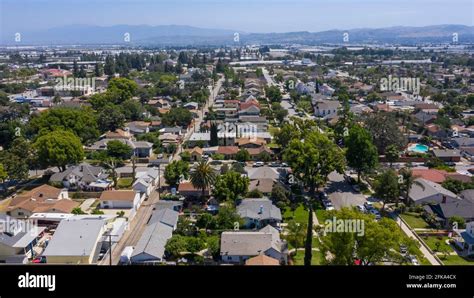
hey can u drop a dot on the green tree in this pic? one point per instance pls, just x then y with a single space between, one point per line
230 186
110 118
3 173
296 233
80 121
384 129
312 160
176 245
458 221
387 188
122 89
242 155
392 154
280 196
119 150
203 177
361 153
228 218
177 116
175 171
77 211
59 148
372 243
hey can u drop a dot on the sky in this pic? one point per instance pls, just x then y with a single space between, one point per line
239 15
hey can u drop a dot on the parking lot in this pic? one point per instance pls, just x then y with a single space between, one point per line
341 193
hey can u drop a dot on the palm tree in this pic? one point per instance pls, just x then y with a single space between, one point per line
407 182
203 176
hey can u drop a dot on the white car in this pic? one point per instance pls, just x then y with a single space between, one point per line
258 164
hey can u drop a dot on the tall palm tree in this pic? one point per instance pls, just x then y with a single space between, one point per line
407 182
203 176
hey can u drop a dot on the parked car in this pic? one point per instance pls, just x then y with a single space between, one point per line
403 249
356 187
376 213
323 195
258 164
38 260
368 205
413 260
275 164
361 208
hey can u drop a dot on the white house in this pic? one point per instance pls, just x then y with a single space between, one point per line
143 185
121 199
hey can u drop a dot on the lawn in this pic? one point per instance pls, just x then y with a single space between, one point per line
432 240
300 215
321 215
414 220
316 259
124 183
456 260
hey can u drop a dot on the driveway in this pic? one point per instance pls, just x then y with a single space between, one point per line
341 193
86 205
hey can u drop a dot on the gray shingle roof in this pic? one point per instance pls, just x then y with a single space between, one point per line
153 241
428 188
165 216
260 209
247 243
86 173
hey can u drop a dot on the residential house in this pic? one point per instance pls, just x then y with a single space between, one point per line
17 239
256 153
258 213
138 127
44 198
250 143
239 246
463 208
465 238
427 192
326 109
229 152
447 155
187 189
262 260
151 245
120 199
83 176
76 241
196 153
200 139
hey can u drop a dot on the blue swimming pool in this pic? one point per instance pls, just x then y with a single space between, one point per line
419 148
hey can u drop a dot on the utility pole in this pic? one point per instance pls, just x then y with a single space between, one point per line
110 248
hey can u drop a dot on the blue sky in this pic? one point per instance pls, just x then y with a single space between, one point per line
244 15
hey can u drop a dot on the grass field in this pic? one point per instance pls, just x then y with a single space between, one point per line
414 220
457 260
300 215
124 183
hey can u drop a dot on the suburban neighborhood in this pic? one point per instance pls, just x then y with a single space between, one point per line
251 154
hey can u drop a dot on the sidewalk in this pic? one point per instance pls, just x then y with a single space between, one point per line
423 249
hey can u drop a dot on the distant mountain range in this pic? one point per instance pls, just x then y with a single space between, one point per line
188 35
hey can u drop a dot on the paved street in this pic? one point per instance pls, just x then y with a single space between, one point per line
341 193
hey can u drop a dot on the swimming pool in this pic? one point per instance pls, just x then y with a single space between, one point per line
419 148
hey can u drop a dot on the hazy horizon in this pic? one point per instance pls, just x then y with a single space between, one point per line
256 16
